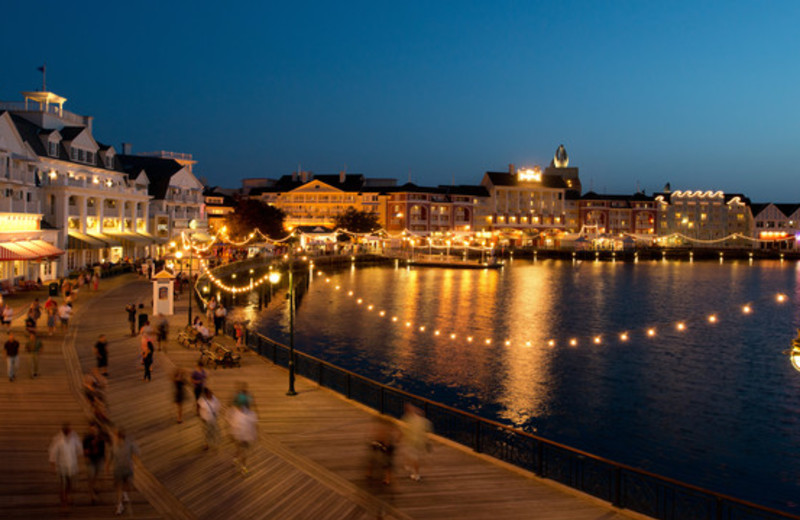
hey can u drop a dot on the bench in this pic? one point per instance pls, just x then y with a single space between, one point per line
218 355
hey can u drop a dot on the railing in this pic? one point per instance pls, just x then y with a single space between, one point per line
623 486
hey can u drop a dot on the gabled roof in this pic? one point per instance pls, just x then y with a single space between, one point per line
159 172
32 134
508 179
68 133
787 209
758 207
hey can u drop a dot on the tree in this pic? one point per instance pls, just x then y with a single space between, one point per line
358 221
252 214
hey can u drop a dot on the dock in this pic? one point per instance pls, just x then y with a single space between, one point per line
309 462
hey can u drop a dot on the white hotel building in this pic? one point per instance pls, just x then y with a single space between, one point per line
98 206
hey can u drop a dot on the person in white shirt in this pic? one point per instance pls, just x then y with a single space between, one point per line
208 408
65 451
204 332
64 313
244 430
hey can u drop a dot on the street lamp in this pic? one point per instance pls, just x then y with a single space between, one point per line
274 277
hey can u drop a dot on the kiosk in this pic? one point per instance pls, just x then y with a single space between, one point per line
164 293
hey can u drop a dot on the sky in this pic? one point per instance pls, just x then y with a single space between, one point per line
700 94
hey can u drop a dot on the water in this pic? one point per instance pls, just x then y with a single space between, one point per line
715 405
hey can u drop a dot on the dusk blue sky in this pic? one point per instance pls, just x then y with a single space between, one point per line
704 95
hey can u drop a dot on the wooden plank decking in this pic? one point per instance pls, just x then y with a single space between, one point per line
310 458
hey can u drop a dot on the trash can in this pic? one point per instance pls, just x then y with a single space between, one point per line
53 289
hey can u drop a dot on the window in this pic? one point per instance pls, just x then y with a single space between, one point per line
53 148
73 154
89 157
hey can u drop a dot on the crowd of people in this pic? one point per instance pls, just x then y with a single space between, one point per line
106 447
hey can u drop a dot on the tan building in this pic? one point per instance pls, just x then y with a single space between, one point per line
704 215
316 200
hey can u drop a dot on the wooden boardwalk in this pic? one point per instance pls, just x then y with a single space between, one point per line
31 413
309 462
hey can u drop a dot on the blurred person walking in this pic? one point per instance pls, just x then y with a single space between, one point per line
199 376
122 453
94 451
65 450
179 389
415 438
243 424
34 346
101 354
208 407
11 348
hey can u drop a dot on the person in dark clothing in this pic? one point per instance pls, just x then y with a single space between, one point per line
148 361
142 316
94 450
101 353
131 310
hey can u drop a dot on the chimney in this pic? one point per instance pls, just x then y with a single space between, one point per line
294 176
511 169
304 176
127 149
342 175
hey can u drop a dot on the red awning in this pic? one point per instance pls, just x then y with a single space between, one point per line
10 251
28 250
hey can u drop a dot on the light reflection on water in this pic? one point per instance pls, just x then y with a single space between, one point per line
715 405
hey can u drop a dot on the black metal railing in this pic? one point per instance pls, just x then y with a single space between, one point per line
623 486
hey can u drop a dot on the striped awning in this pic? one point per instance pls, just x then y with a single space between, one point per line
9 253
28 250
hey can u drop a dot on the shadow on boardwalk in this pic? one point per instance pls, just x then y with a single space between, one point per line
310 459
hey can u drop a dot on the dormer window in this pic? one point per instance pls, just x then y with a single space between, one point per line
81 156
73 154
89 157
52 149
109 162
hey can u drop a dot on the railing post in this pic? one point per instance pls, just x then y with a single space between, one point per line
616 499
539 468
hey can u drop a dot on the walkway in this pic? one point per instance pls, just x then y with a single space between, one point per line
310 459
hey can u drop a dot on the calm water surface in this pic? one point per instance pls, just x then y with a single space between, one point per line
714 405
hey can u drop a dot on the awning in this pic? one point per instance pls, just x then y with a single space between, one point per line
28 250
109 241
45 249
154 239
10 252
137 240
77 240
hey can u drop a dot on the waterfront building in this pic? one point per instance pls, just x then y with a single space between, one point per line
523 200
698 217
98 211
27 248
776 225
218 205
530 201
316 200
635 214
422 210
176 194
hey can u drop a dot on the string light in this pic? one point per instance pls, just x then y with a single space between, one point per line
597 339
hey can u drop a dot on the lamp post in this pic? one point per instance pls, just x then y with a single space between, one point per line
274 277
